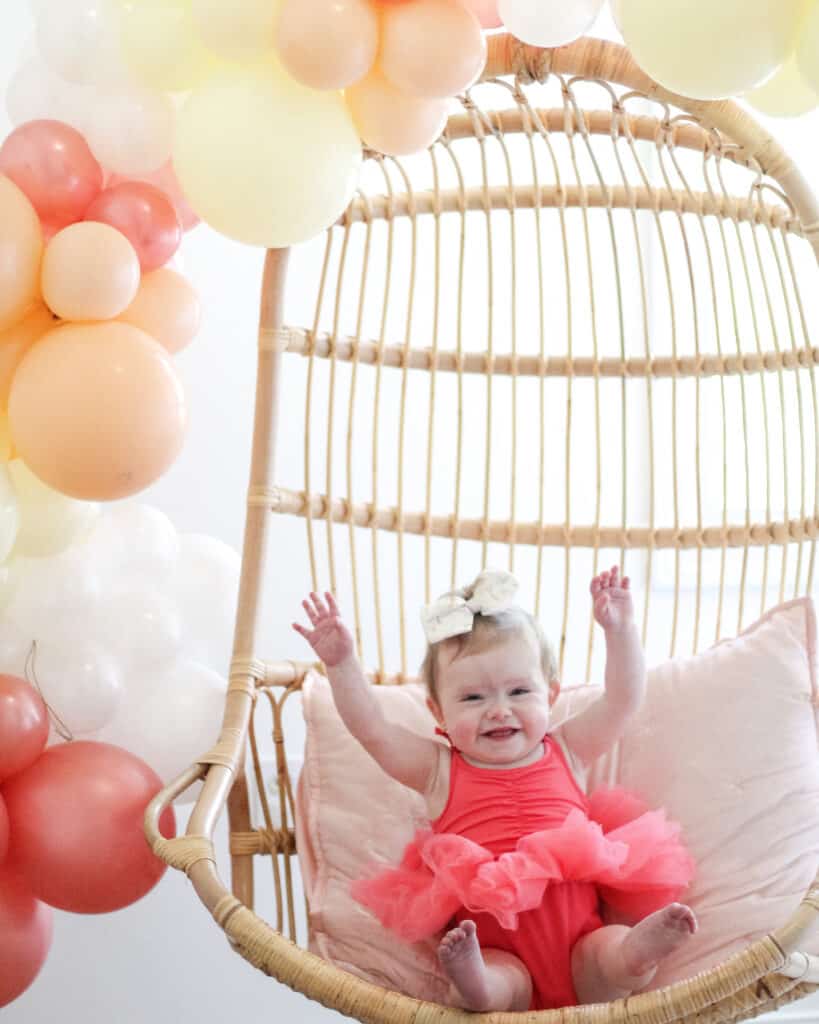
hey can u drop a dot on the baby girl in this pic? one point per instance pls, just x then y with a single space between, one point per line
517 858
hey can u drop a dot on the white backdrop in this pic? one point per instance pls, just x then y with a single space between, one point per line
163 960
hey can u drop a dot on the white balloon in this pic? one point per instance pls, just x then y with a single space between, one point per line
548 22
9 514
80 684
133 542
138 625
169 718
79 40
52 595
206 588
131 131
36 93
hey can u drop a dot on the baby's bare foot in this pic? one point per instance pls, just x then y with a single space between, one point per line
461 959
656 936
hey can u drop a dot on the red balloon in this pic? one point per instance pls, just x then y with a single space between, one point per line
76 827
4 830
51 162
26 927
23 725
145 215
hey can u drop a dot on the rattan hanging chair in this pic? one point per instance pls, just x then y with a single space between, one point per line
646 264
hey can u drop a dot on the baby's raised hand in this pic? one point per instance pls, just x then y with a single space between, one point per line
329 637
613 607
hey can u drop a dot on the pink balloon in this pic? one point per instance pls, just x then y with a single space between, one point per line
26 928
145 215
4 829
76 827
166 180
486 11
23 725
52 164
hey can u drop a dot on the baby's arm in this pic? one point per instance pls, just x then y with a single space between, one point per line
407 757
595 730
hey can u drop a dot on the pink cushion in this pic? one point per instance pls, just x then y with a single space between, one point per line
726 741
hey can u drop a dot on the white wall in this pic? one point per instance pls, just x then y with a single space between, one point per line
163 959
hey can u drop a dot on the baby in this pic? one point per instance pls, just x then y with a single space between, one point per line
517 857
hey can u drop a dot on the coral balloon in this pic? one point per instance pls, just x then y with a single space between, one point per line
166 307
4 829
23 725
549 22
145 216
785 94
486 11
21 253
431 48
265 160
709 50
26 930
97 411
53 165
16 341
166 181
327 44
390 121
90 272
76 827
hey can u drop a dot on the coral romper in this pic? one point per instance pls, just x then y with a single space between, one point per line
527 855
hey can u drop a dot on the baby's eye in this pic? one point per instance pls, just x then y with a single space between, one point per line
520 689
470 696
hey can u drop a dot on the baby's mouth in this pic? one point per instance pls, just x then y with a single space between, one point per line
500 734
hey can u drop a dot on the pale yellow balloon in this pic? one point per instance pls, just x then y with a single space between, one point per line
21 252
265 160
166 307
16 341
9 515
49 521
785 94
90 272
239 30
709 50
162 48
807 47
7 450
391 121
97 411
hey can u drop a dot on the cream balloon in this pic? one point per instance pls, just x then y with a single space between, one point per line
548 22
431 48
241 30
265 160
49 521
706 50
90 272
9 514
131 131
166 307
21 253
327 44
391 121
807 47
161 46
785 94
97 411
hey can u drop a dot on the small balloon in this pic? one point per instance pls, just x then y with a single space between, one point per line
146 217
49 521
17 340
241 31
486 11
21 253
165 179
73 792
23 725
549 22
26 930
393 122
431 48
166 307
327 44
79 40
161 46
131 130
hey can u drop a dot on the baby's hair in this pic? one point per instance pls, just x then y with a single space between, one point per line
487 630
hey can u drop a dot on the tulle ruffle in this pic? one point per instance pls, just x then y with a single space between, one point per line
634 856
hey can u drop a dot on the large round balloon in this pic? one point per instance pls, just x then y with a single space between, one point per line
786 94
162 48
709 50
4 829
21 252
23 725
265 160
26 929
807 48
97 411
76 827
240 31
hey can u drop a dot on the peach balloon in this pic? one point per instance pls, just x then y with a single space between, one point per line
392 122
90 272
52 164
97 411
486 11
165 179
21 253
431 48
16 341
166 307
145 215
327 44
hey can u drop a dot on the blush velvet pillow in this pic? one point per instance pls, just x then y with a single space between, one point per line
726 741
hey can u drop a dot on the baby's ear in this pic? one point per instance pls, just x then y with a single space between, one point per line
435 710
554 690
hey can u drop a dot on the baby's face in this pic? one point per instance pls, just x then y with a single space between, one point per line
495 704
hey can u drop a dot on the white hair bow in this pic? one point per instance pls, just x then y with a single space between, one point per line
453 614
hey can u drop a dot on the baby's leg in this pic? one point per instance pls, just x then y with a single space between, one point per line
612 962
489 979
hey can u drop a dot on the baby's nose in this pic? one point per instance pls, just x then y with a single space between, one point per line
498 709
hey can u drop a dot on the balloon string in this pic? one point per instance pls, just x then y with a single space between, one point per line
60 727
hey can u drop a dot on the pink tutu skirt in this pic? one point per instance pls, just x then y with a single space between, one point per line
633 855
